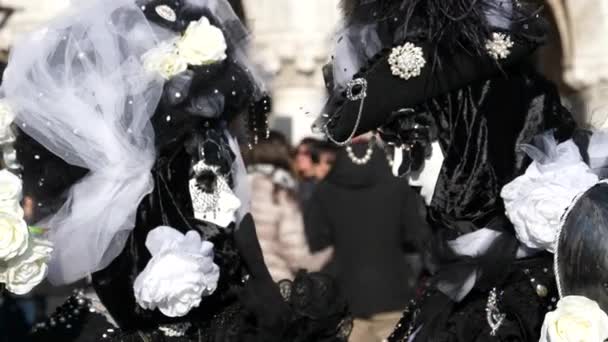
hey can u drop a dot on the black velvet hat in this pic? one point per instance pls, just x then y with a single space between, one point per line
406 52
220 90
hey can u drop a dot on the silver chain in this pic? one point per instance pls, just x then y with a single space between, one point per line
352 97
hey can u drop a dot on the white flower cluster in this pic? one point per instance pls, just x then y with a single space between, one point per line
536 200
499 47
23 257
179 274
407 61
6 119
201 44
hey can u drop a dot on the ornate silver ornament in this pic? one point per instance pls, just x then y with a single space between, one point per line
175 330
493 315
166 13
407 61
350 87
499 47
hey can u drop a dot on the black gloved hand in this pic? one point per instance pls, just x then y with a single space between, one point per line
261 294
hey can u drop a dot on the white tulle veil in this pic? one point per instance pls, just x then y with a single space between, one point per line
78 87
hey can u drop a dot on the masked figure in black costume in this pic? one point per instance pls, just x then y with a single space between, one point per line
449 85
137 98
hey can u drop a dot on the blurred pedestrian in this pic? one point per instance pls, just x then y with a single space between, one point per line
276 212
303 161
313 161
323 158
370 218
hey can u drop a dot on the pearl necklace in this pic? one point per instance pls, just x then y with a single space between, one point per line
368 154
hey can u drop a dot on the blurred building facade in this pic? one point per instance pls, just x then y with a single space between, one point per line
291 42
28 14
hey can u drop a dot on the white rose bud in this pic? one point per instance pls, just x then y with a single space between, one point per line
202 43
10 194
164 60
6 119
14 236
575 319
179 274
29 270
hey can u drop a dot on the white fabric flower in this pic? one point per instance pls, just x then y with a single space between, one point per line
179 274
6 119
576 319
535 201
24 273
202 43
14 236
10 194
165 60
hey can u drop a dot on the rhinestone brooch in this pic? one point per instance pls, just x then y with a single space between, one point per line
407 61
361 85
166 13
499 47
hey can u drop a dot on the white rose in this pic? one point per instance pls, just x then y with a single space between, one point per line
14 236
179 274
576 319
202 43
6 119
10 194
29 270
164 60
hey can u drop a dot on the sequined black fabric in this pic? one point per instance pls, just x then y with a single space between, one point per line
528 293
316 313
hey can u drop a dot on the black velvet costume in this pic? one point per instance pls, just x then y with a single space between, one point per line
479 109
479 129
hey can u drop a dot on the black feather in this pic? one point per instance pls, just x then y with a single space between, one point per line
447 24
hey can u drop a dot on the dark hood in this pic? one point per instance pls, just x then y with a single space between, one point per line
345 173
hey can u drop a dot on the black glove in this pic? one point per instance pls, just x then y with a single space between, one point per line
261 295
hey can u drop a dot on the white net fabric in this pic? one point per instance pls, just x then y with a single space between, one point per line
79 88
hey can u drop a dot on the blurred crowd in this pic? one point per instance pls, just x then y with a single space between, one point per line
317 209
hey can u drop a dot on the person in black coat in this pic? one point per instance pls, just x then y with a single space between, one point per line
370 218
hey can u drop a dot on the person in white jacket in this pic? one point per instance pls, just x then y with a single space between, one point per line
276 211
